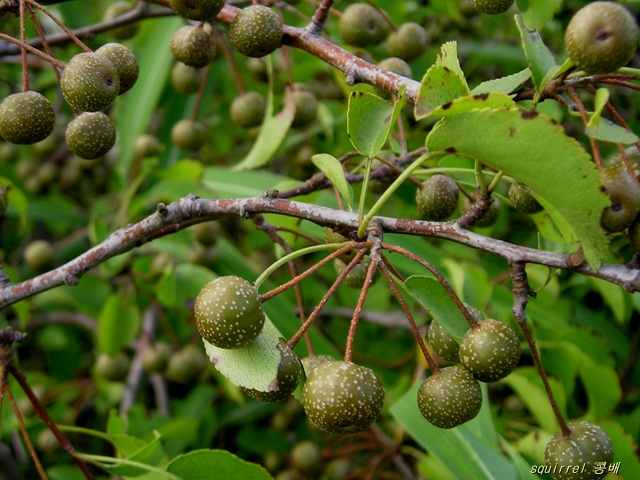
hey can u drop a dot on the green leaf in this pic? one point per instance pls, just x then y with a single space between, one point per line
273 130
17 200
334 171
472 102
433 296
254 366
625 448
215 465
537 13
115 423
369 120
461 449
603 129
118 324
448 58
511 141
503 84
541 60
136 450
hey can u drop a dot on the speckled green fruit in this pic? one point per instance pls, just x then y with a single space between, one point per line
443 343
408 42
192 46
309 363
26 118
90 135
357 275
90 82
601 37
156 357
186 79
247 110
437 197
490 351
147 145
115 10
492 7
113 368
490 217
522 199
188 135
306 108
187 365
256 31
197 9
342 397
331 236
449 397
306 457
624 192
125 62
287 379
362 25
587 445
228 312
39 256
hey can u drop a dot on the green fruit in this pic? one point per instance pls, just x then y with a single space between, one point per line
309 363
624 192
90 135
229 313
113 368
186 79
193 46
492 7
522 199
362 25
357 275
601 37
125 62
197 9
490 351
634 235
247 110
186 366
437 197
396 65
188 135
342 397
443 343
331 236
156 357
90 82
26 118
287 379
40 256
115 10
147 145
337 469
408 42
306 457
306 108
490 216
587 445
449 397
256 31
207 233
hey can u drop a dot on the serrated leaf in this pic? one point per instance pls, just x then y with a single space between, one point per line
503 84
369 120
472 102
448 58
439 86
215 465
254 366
334 171
557 169
433 296
541 60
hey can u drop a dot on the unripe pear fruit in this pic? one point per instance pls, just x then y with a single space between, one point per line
437 197
624 192
156 357
256 31
362 25
147 145
113 368
247 110
90 135
90 82
188 135
287 378
490 217
201 10
26 118
125 62
185 78
193 46
306 108
601 37
492 7
187 365
39 256
115 10
522 199
408 42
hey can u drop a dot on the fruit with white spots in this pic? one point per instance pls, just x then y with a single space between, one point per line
362 25
228 312
90 135
287 378
90 82
443 343
408 42
492 7
437 197
624 192
587 445
256 31
522 199
26 118
357 275
188 134
342 397
125 62
449 397
310 363
192 46
197 9
490 350
306 107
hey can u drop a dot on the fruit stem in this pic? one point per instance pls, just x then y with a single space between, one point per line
23 52
521 291
231 62
43 38
310 319
198 101
35 51
66 30
597 157
414 327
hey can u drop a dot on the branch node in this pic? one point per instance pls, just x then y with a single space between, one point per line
162 210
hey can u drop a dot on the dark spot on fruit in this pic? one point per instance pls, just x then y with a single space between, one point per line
447 105
603 34
529 115
616 206
109 81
